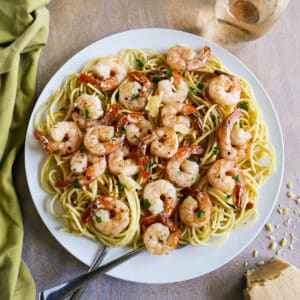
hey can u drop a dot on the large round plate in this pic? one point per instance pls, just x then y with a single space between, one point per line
182 264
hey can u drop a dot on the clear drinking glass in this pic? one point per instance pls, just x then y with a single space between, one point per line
245 20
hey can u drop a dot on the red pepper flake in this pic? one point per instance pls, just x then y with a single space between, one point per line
249 205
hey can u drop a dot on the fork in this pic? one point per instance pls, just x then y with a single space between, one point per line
96 263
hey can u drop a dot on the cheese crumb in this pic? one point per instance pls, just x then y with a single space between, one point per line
255 253
245 263
260 263
280 210
285 211
269 227
278 252
290 195
277 226
273 245
291 247
298 200
283 242
287 221
289 185
271 237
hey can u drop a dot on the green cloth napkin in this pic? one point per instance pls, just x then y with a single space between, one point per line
24 28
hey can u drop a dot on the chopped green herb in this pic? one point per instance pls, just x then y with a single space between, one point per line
139 63
62 109
196 115
82 150
169 73
121 187
123 130
98 219
201 213
179 172
241 124
150 90
156 79
181 199
213 118
146 203
216 150
193 91
191 159
200 85
149 165
244 106
76 184
56 152
110 174
233 206
237 178
85 113
133 97
228 196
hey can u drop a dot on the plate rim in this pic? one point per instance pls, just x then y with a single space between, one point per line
202 40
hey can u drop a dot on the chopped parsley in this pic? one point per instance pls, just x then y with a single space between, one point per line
244 106
216 150
149 165
62 109
98 219
156 79
181 199
196 115
56 152
139 63
241 124
133 97
110 174
82 150
121 187
233 206
200 85
169 73
191 159
228 196
150 90
201 213
193 91
146 203
76 184
85 113
123 130
237 178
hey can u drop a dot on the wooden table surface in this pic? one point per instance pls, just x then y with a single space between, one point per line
275 61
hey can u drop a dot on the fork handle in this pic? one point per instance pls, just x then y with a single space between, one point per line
96 263
63 290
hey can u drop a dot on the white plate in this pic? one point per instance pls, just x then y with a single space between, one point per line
189 262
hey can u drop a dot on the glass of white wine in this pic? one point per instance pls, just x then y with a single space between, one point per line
239 21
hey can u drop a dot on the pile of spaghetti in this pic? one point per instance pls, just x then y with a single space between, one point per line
155 149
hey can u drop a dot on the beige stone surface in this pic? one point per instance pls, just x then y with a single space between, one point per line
275 61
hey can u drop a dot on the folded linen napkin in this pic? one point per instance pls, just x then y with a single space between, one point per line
23 31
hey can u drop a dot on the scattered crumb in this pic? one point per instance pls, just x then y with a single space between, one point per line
273 246
287 221
255 253
280 210
290 194
285 211
245 263
283 254
278 252
269 227
277 226
298 200
291 247
271 237
293 238
260 263
283 242
289 185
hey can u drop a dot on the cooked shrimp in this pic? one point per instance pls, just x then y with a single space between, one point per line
166 143
171 94
226 176
196 208
109 215
100 140
90 166
86 110
119 164
136 127
162 197
178 116
225 90
66 138
180 170
111 71
234 143
159 239
181 58
134 94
